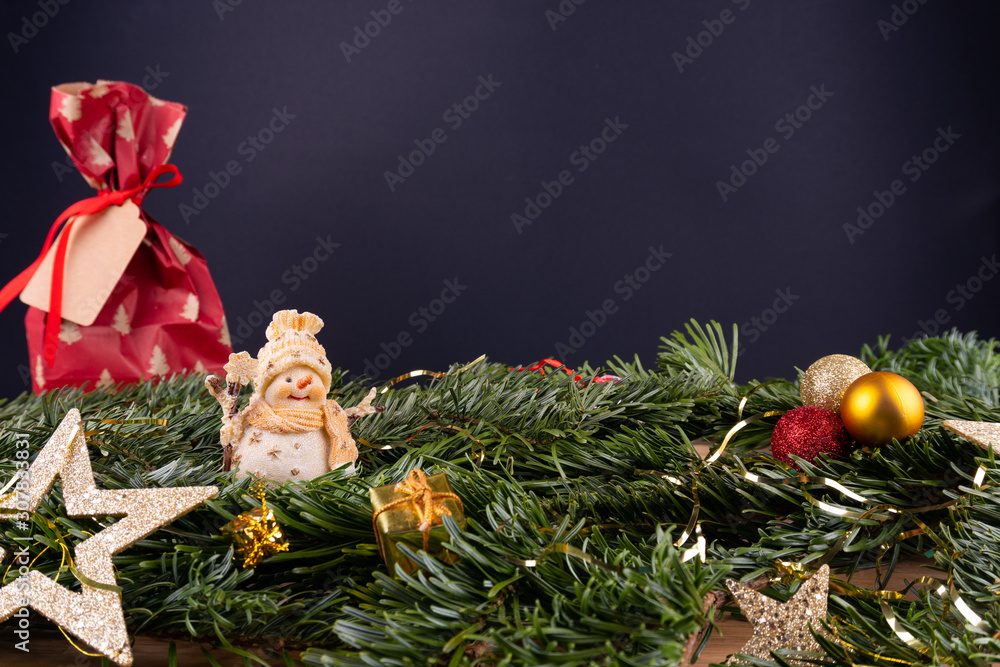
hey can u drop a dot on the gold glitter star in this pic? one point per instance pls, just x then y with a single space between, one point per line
95 614
984 434
782 626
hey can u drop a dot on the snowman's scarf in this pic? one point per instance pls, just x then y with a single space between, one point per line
293 420
284 420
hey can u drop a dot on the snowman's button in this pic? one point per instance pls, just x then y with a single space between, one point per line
297 445
295 471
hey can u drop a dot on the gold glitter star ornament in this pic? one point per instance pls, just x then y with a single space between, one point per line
95 614
984 434
782 626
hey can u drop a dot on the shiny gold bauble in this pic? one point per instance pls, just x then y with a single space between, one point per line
825 382
878 407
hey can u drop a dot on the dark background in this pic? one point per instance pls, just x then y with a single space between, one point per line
323 175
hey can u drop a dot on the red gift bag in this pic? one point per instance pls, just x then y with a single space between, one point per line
158 315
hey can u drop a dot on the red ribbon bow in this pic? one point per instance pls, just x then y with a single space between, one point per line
87 206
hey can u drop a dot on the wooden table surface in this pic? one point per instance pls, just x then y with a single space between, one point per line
50 649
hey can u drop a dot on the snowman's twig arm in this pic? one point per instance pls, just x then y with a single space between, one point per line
363 409
227 394
217 388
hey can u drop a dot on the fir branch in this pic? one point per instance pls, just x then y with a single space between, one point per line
604 467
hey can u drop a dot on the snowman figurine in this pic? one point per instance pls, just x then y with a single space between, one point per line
289 430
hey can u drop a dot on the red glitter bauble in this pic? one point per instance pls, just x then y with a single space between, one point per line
806 432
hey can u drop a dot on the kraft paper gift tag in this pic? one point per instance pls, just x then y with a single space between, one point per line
100 248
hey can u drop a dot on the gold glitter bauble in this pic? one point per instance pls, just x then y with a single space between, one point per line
825 382
95 613
783 626
881 406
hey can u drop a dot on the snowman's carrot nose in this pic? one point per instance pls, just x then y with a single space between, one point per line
304 382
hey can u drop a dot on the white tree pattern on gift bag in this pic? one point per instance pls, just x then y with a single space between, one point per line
69 332
121 323
183 256
224 333
105 381
39 372
158 362
190 311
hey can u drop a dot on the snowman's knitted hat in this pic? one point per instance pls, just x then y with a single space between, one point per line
291 341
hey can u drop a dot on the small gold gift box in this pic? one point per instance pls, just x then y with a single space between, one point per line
255 535
410 513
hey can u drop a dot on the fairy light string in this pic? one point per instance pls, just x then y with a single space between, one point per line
435 374
877 512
